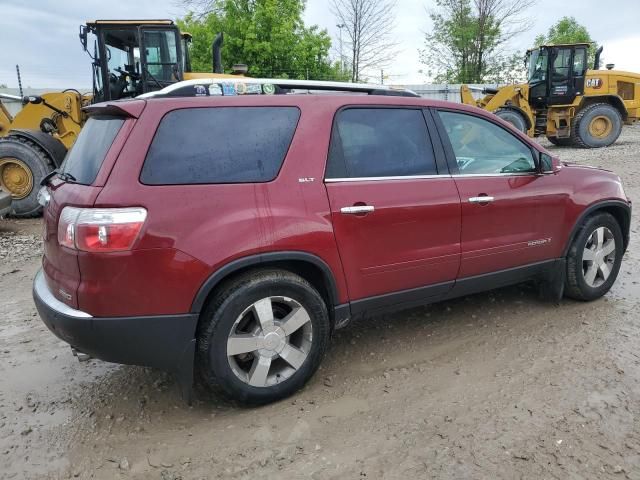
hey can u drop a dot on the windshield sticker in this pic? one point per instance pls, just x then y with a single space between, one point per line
214 89
200 90
228 89
269 89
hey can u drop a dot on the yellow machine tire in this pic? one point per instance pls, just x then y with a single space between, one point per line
18 152
597 125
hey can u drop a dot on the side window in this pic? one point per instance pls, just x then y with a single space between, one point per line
220 145
580 62
482 147
561 66
380 142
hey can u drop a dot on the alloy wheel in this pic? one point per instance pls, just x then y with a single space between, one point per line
598 257
269 341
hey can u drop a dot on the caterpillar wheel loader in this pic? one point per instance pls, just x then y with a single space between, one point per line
564 99
129 58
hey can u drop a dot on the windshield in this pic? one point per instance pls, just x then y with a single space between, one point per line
537 65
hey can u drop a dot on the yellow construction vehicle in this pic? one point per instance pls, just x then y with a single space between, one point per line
564 99
129 57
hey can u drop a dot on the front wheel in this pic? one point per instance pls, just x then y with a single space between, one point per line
23 165
594 258
262 337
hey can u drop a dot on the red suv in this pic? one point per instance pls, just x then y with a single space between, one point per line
228 229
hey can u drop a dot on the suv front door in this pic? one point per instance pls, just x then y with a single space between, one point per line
396 220
511 215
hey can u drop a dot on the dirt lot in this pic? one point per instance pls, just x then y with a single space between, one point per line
497 385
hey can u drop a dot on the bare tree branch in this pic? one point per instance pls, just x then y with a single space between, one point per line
369 25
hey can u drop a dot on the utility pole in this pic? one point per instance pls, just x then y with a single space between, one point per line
340 27
19 80
381 77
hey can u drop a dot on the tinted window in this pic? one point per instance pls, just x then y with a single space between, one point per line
86 156
481 147
220 145
380 142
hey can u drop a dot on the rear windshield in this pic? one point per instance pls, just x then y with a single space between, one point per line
220 145
85 158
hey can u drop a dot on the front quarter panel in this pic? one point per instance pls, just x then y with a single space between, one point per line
591 189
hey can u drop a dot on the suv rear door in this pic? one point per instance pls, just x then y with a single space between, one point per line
396 217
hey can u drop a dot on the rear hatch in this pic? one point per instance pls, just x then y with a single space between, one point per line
77 184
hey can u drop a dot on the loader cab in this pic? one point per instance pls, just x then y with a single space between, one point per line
556 74
133 57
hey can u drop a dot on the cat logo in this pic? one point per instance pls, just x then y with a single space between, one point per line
594 82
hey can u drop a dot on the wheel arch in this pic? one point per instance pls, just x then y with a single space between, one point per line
310 267
53 147
619 209
614 100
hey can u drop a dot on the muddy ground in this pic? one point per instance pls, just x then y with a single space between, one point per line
496 385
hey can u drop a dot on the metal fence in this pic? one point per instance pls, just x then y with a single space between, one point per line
450 93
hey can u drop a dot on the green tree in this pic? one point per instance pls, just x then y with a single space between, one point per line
568 30
466 43
267 35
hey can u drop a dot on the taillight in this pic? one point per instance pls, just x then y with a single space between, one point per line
100 229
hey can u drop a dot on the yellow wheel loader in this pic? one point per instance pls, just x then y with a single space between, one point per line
564 99
129 57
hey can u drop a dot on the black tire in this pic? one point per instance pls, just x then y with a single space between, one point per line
576 286
561 142
580 133
513 117
37 160
218 319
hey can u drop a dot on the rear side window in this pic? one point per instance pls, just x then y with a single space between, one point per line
220 145
380 142
85 158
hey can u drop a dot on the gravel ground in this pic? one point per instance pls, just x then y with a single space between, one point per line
496 385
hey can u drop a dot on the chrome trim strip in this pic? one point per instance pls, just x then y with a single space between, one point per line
523 174
41 289
378 179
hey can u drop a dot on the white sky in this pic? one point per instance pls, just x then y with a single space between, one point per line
42 35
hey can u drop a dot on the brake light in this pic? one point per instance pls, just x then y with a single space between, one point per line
100 229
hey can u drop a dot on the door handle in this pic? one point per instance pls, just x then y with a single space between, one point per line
357 209
481 199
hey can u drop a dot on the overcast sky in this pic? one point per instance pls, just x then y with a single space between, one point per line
42 35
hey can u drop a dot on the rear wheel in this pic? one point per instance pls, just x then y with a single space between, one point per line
262 337
23 165
513 117
594 258
597 125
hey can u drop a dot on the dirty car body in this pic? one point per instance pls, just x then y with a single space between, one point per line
371 203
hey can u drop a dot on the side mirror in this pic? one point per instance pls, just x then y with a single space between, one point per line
83 36
548 164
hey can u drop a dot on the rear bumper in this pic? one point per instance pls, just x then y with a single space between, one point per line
5 203
166 342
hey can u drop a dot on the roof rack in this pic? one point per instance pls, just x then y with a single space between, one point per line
205 87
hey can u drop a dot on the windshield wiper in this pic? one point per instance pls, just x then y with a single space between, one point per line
50 175
67 177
